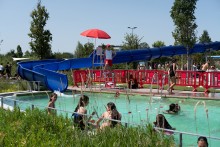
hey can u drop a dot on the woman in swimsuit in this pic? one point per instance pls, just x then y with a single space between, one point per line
79 115
111 113
172 74
51 104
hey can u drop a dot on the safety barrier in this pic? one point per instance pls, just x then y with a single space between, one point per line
195 79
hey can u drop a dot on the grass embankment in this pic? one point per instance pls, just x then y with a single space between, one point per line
7 85
37 128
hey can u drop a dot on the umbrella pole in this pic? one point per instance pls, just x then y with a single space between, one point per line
93 60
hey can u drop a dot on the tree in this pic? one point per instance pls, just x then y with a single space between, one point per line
19 52
83 50
11 53
205 37
182 13
65 55
143 45
40 38
27 54
199 57
158 44
132 41
160 60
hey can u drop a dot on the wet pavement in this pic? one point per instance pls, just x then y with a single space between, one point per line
153 92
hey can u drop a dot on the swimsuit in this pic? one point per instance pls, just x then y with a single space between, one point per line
172 74
78 120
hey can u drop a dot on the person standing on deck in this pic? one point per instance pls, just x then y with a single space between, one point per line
108 57
205 67
172 74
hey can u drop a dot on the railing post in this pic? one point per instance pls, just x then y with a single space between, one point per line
32 106
2 102
157 82
15 103
181 140
38 86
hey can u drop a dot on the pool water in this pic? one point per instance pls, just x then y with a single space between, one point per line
136 109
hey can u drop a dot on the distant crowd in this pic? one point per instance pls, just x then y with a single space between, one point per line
207 66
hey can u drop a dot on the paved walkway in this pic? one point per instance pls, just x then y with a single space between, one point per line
153 92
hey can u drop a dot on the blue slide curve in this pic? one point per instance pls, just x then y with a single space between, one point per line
47 71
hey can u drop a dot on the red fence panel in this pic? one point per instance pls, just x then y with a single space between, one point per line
195 79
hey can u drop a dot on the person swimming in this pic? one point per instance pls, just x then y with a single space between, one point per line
173 109
161 122
202 142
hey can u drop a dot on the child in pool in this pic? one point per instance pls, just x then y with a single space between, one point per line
173 109
111 113
51 104
79 115
202 142
161 122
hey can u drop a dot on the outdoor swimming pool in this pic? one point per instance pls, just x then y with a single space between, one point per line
196 116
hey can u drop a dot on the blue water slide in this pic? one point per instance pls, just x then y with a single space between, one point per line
47 71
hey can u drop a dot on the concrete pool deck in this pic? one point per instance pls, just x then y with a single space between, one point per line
155 92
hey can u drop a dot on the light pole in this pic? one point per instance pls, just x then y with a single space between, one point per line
132 29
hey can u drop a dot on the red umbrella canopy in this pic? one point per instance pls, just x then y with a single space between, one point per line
95 33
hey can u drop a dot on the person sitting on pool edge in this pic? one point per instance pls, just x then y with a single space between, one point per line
173 109
79 115
202 142
161 122
132 82
111 113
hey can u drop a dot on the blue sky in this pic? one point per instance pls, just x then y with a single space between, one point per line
68 18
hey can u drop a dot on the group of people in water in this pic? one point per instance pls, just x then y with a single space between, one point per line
111 117
161 121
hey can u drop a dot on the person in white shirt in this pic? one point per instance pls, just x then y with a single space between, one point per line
108 57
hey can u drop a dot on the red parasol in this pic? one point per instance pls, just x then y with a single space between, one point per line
95 33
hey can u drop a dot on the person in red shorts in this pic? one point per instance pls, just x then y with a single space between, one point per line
108 57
